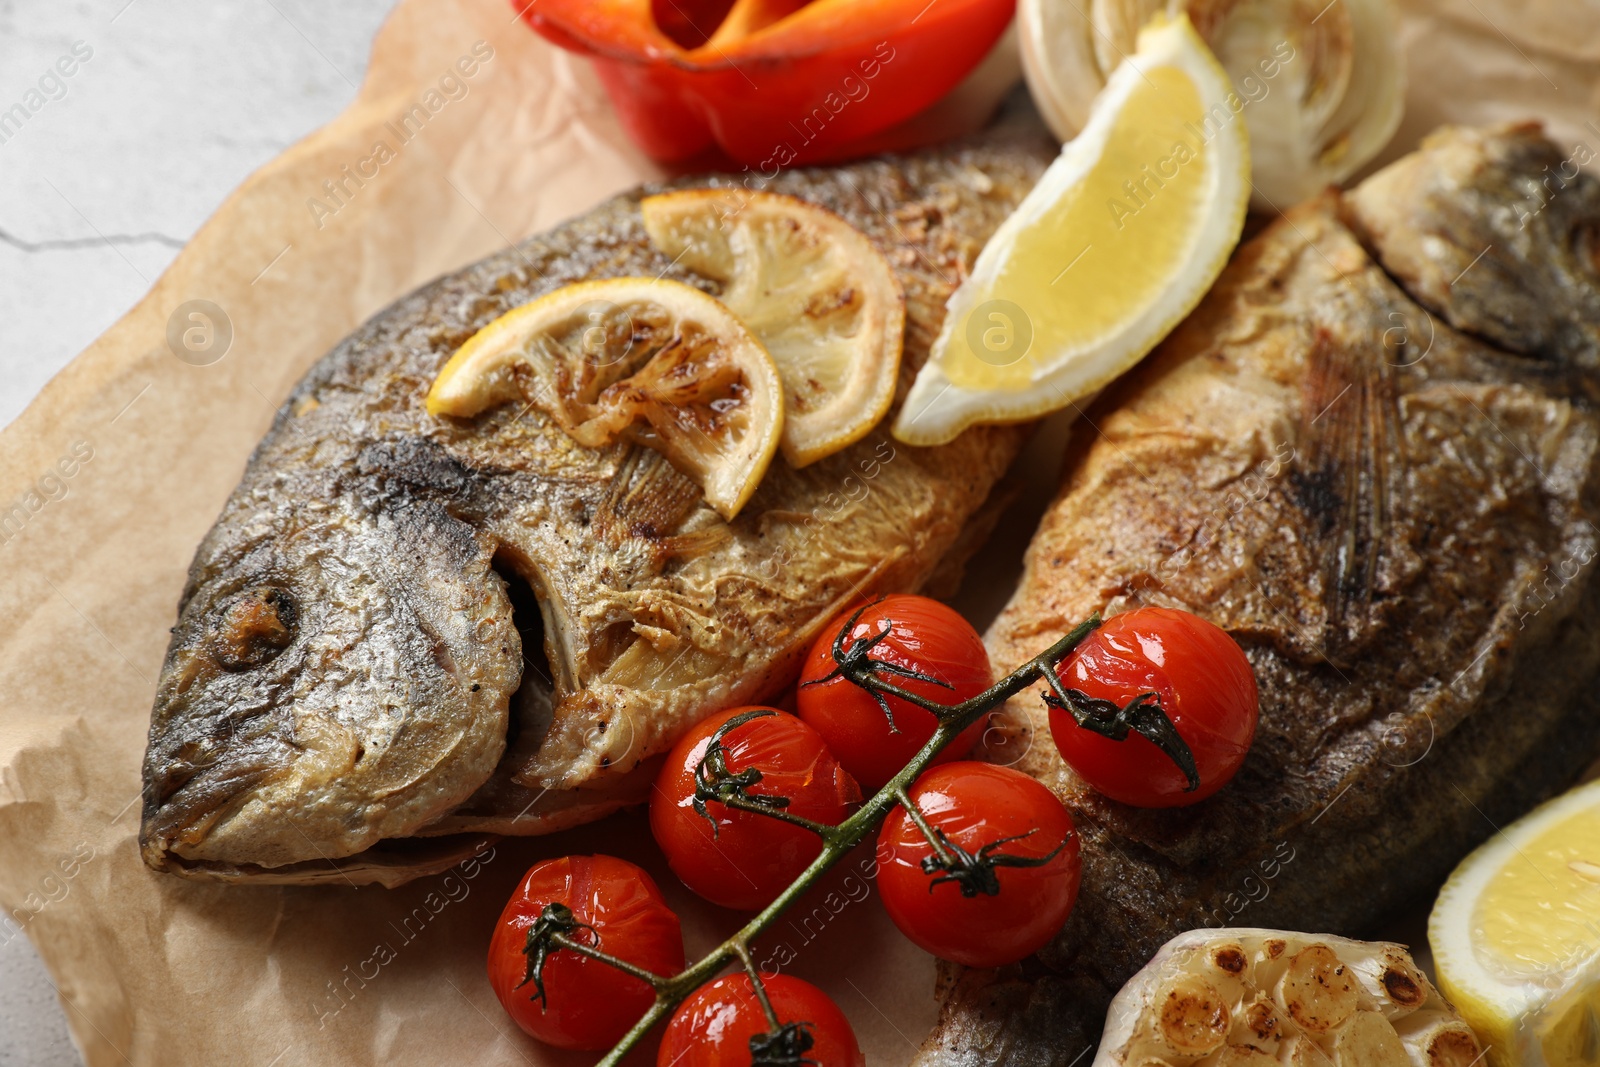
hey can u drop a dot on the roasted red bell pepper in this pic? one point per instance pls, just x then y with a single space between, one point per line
772 82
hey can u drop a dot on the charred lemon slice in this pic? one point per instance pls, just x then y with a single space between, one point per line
1120 239
821 298
1516 936
655 361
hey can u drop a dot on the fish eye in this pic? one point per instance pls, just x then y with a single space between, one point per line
251 627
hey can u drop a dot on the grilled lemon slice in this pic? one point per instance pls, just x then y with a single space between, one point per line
821 298
657 361
1118 242
1516 936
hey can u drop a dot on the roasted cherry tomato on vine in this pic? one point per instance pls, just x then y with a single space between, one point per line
1204 685
1009 873
744 859
587 1004
946 661
715 1026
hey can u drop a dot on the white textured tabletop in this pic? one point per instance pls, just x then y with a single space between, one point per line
123 123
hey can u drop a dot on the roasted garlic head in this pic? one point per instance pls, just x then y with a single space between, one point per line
1265 998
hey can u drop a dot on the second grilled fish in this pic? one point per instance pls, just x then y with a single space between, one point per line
402 631
1370 455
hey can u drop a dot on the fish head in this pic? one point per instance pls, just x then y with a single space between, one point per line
1496 231
339 674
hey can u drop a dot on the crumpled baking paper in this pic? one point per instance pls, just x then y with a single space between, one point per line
468 133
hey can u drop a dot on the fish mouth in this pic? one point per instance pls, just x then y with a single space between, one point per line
390 863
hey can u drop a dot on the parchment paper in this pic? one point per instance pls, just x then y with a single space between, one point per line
111 476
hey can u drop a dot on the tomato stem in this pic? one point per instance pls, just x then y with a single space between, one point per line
975 872
1143 715
841 839
856 664
656 981
555 919
715 781
756 984
821 829
784 1044
936 840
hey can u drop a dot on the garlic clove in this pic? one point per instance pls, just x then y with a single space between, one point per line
1193 1019
1369 1040
1439 1041
1318 991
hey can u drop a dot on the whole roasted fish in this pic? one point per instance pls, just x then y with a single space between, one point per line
403 627
1370 456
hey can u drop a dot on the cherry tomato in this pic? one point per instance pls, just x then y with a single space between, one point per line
744 859
714 1026
923 636
976 805
590 1004
1205 686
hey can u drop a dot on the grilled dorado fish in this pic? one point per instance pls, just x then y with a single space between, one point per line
406 631
1370 455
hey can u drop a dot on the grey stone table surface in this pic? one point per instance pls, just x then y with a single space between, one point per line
123 124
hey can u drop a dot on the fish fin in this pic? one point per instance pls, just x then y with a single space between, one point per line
1350 481
648 499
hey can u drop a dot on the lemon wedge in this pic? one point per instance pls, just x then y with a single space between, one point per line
821 298
656 361
1118 242
1516 936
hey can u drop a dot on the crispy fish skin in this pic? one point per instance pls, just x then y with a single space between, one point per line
1377 472
339 687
